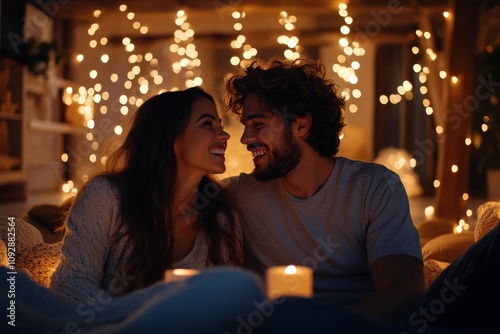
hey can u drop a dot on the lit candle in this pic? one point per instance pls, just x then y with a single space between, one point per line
289 281
173 275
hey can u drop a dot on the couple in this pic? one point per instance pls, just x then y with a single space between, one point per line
156 207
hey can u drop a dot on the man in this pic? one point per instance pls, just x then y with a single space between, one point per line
348 220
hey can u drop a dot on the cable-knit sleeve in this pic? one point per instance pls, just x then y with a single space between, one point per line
92 219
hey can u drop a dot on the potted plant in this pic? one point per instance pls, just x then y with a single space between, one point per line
38 55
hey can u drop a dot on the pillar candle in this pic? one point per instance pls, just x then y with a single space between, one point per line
173 275
289 281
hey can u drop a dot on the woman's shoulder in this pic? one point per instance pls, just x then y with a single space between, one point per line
96 206
100 181
100 184
98 192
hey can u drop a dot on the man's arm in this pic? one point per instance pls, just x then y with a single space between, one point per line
398 282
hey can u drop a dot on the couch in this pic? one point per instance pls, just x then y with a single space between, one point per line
441 246
39 235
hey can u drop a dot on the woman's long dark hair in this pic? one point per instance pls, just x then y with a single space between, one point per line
144 168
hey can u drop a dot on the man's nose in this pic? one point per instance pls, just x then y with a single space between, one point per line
248 136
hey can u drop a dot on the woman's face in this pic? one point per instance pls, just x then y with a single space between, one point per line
200 149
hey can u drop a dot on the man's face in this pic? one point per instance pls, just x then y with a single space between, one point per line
274 149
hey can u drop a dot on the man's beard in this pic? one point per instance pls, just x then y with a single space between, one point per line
282 160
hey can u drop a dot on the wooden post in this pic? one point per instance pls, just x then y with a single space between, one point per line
449 202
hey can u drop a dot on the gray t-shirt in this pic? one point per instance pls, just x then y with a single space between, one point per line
360 215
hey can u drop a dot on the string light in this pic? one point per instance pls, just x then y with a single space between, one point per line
241 42
423 72
143 75
140 80
346 67
292 42
183 46
462 226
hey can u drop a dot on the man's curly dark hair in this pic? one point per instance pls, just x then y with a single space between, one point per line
293 89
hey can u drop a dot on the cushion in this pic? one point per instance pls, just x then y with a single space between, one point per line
447 247
488 216
432 269
40 261
3 254
51 216
429 229
26 234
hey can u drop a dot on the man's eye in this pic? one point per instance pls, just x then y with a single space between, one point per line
208 123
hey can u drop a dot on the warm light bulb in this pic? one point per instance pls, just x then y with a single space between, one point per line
429 211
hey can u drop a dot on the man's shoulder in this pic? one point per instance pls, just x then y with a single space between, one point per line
243 183
360 166
235 181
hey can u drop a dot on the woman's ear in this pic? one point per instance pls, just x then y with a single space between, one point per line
302 125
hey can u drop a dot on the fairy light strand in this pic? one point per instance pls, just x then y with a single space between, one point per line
405 91
189 63
137 82
347 63
248 52
294 49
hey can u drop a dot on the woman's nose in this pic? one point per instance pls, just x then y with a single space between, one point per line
223 135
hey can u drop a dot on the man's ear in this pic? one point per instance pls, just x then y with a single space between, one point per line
302 125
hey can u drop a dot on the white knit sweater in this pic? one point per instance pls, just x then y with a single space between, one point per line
89 266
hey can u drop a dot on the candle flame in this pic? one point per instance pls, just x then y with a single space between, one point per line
185 272
290 270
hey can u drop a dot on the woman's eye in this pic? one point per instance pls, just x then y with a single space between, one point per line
207 123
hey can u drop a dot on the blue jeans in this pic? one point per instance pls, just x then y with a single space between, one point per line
215 301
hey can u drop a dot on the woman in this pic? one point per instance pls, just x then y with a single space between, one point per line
155 207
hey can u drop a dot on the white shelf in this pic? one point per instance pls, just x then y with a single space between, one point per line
15 117
13 175
37 85
53 127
